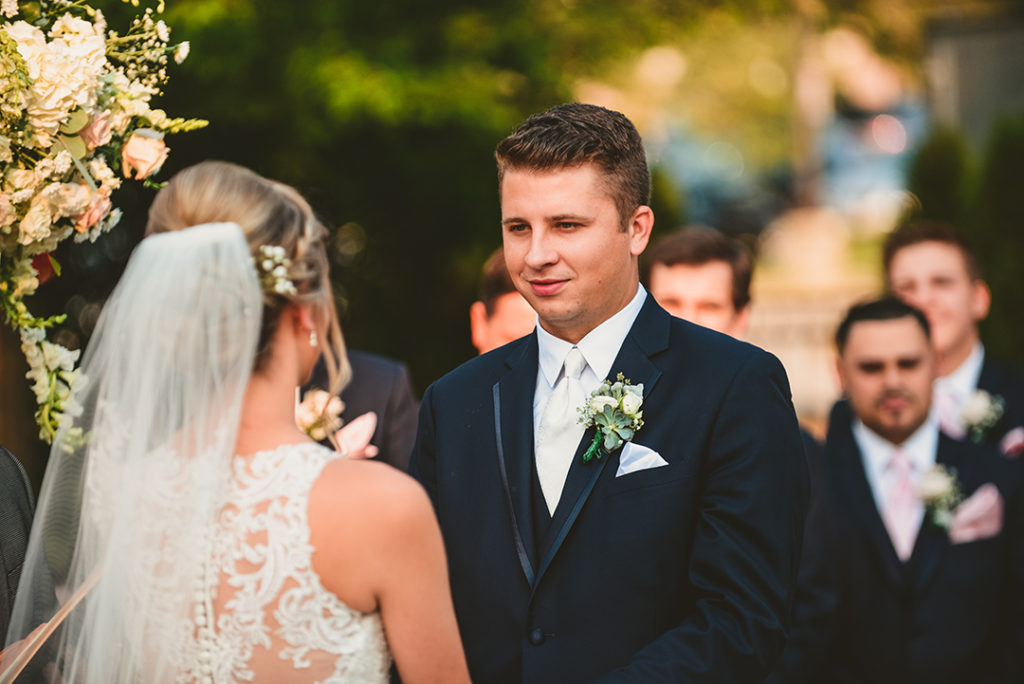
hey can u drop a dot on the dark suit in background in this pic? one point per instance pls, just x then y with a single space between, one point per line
683 572
1000 380
951 613
383 386
16 505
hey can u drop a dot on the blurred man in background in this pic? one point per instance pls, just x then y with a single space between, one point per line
702 276
928 531
501 314
930 267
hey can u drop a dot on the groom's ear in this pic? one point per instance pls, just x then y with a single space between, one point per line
639 227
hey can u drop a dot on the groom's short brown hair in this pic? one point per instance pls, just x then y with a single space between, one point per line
572 135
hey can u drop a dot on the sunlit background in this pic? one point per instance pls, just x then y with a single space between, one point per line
808 128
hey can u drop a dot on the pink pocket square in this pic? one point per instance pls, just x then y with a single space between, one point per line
1012 444
354 439
979 517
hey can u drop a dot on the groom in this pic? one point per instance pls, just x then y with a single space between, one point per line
669 559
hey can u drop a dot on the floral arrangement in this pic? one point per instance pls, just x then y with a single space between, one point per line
319 414
614 408
75 118
940 493
980 413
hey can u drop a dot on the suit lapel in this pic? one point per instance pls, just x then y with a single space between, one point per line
648 336
932 541
853 482
513 426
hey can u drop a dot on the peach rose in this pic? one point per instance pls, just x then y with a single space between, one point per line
144 153
98 208
97 132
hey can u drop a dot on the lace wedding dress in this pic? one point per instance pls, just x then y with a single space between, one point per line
260 611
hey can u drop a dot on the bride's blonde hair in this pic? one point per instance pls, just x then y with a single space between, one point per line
269 213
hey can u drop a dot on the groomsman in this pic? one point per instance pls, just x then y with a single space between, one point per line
932 268
501 314
669 558
701 275
383 386
928 592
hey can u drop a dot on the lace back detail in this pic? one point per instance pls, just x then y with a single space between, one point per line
261 613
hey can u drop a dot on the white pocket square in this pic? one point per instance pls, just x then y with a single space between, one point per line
637 457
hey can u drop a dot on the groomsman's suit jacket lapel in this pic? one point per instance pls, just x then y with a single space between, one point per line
513 407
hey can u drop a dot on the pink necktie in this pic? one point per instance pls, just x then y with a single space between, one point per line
949 411
900 506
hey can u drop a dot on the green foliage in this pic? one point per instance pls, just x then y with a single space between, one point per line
997 233
939 177
983 205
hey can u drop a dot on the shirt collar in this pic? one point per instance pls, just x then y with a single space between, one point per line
599 347
920 448
962 381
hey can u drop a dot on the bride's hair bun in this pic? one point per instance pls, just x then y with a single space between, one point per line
270 214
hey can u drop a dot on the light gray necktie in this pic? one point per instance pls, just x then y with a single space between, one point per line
560 431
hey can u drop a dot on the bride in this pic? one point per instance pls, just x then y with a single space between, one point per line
189 530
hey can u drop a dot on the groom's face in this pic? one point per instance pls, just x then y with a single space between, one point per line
566 249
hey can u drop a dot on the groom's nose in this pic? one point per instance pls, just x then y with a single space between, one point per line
542 251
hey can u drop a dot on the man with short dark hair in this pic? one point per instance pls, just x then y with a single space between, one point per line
930 587
501 314
703 276
661 552
931 267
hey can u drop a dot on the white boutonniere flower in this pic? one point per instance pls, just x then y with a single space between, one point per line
940 493
614 409
981 412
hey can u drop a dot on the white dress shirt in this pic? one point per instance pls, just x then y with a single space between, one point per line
599 347
961 383
920 448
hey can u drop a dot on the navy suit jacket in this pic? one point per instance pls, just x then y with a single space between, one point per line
1008 383
952 613
679 573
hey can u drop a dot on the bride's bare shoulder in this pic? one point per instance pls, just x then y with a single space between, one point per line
374 493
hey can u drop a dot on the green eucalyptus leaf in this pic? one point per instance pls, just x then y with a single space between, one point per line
75 122
75 145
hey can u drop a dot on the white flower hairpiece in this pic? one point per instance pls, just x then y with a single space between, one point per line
273 267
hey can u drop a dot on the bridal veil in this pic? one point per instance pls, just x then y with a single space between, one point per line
131 492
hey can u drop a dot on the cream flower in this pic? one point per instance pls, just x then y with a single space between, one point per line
67 199
97 209
935 484
36 224
7 213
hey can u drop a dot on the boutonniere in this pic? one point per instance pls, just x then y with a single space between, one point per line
614 409
940 493
319 414
981 412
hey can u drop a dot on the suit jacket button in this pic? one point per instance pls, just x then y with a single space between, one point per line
536 636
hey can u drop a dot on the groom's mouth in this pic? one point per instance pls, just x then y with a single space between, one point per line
546 287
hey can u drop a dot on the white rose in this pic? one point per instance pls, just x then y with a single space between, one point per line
68 199
598 403
631 403
22 179
36 224
935 484
977 408
7 214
